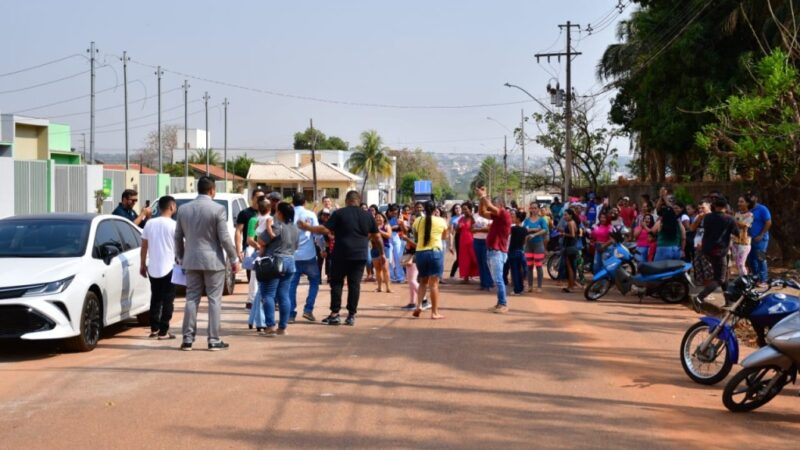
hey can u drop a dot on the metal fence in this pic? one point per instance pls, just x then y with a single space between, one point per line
118 185
221 186
148 188
70 188
31 179
178 185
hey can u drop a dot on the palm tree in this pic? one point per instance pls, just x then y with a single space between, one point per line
370 158
199 157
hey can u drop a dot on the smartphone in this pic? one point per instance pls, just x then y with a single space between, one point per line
147 203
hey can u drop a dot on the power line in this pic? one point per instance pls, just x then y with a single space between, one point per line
34 86
325 100
107 108
41 65
72 99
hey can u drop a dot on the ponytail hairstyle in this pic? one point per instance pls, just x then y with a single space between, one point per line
428 207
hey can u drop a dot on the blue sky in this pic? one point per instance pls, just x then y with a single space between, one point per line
397 53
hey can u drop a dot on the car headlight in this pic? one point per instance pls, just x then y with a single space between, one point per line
54 287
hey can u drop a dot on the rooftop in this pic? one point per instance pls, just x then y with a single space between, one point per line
273 171
215 172
142 169
328 172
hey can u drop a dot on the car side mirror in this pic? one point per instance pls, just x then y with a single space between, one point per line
109 252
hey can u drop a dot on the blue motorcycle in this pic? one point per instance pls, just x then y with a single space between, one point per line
710 348
667 280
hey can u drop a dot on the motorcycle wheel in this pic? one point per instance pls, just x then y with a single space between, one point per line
597 289
713 365
553 261
749 389
674 291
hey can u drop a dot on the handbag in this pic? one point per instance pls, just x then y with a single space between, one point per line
269 266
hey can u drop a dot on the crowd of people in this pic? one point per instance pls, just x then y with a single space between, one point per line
501 248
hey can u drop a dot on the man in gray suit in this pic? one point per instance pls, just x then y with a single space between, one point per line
201 242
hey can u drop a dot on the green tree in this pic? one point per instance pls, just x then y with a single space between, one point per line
406 189
303 140
241 165
370 158
593 155
199 157
174 170
757 134
425 167
674 59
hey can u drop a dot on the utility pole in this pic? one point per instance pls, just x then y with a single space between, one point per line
505 167
83 135
208 153
569 54
225 142
92 51
185 129
522 146
313 159
160 150
125 60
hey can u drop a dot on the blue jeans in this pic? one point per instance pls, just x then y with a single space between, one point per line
518 265
496 260
641 254
483 267
310 269
396 272
664 253
277 289
257 318
757 259
598 258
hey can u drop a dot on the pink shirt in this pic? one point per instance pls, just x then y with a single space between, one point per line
642 237
601 233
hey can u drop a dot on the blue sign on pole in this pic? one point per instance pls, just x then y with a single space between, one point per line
423 187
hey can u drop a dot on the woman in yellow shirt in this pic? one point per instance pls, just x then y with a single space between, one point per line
430 231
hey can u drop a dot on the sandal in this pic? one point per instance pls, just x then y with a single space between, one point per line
566 291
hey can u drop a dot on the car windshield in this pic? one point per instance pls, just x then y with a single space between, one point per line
39 238
182 201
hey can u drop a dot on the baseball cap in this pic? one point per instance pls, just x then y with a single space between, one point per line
275 195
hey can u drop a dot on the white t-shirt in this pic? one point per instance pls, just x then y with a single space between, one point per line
481 222
160 236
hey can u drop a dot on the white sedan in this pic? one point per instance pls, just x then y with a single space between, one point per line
66 276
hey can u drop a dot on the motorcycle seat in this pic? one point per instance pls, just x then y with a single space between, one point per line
652 268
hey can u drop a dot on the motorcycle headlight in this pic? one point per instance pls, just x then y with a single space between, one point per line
54 287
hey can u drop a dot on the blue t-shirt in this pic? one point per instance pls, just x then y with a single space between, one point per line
761 216
538 224
591 212
305 244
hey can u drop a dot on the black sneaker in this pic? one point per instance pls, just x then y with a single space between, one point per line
350 321
186 346
409 307
309 316
216 346
248 305
292 319
426 305
697 303
332 320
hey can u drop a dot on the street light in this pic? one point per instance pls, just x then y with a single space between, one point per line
529 95
500 123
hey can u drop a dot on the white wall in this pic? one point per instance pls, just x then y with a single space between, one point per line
6 187
196 137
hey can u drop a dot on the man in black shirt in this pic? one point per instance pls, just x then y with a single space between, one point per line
125 208
353 229
241 234
718 228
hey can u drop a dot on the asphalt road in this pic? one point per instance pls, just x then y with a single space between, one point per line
555 372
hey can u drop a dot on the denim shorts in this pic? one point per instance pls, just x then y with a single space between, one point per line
430 263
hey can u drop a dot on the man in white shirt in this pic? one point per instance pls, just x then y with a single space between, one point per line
158 242
480 231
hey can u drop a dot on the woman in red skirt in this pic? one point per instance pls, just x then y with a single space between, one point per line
467 262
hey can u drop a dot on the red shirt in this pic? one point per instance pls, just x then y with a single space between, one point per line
499 231
628 215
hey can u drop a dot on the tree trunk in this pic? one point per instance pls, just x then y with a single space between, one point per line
364 185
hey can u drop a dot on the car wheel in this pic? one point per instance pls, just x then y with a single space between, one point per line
90 326
230 280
